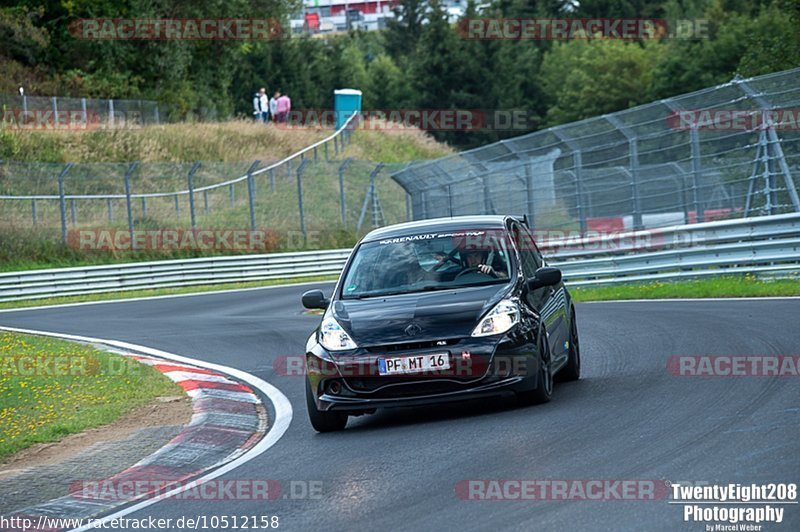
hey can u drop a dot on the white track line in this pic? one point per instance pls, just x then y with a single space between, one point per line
283 415
686 299
169 296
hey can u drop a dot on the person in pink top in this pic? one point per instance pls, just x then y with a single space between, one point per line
284 106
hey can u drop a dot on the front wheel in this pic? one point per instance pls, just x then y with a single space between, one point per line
320 420
544 379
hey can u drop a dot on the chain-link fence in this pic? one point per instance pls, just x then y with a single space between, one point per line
55 112
724 152
306 200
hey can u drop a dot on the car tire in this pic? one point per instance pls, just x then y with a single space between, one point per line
544 378
320 420
572 371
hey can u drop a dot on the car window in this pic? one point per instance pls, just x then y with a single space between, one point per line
429 261
526 248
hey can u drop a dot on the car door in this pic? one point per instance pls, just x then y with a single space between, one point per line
555 309
539 299
548 301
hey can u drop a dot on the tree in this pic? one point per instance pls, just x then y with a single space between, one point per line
581 79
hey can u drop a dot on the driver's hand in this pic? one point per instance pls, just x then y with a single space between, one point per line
485 268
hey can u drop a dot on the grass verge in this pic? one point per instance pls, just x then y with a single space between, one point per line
727 286
51 388
159 292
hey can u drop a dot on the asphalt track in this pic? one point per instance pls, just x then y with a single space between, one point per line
629 418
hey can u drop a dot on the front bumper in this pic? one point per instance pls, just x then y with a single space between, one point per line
479 367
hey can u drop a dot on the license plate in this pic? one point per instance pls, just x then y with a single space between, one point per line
413 364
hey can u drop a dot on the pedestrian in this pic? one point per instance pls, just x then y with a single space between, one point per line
284 107
273 106
261 105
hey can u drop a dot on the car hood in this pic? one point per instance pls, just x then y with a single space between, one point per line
418 317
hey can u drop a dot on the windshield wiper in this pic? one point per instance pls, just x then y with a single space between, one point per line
468 285
379 294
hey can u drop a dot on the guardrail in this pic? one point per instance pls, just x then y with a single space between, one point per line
766 244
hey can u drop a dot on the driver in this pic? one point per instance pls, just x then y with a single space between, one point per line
476 258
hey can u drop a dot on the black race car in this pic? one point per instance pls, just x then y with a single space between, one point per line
439 310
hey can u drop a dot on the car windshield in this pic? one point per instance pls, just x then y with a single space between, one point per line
429 261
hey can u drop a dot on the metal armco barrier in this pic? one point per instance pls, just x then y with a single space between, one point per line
761 245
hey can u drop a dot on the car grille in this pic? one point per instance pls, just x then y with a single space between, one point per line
410 388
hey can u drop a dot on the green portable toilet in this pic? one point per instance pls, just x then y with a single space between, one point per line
345 103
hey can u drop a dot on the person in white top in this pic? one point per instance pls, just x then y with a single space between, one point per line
273 106
261 105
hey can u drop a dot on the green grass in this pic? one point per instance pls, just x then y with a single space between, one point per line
159 292
81 388
167 153
727 286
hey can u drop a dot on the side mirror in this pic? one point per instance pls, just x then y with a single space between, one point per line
544 277
315 299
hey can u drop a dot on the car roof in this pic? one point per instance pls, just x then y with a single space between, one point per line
456 223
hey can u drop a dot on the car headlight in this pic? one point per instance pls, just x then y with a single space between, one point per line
333 337
500 319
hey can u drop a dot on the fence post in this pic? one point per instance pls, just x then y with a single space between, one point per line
316 157
144 206
696 171
177 205
271 173
289 168
129 207
342 203
62 201
156 115
637 206
578 163
778 151
369 196
33 212
85 114
232 194
529 195
335 147
55 110
73 212
24 109
111 113
251 192
300 200
450 199
205 201
110 210
190 183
